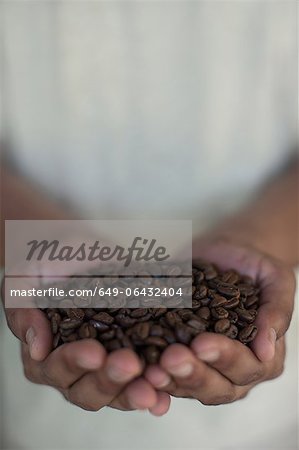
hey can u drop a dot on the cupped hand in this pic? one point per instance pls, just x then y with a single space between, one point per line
216 369
82 371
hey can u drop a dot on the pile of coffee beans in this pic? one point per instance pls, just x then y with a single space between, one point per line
223 302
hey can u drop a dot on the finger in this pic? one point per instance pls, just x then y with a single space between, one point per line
162 406
31 327
98 389
275 310
139 394
231 358
201 382
158 377
66 364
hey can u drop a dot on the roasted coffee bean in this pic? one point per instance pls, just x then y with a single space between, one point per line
156 341
250 301
230 277
204 313
99 326
246 289
142 330
223 302
172 319
228 290
107 335
156 330
198 323
87 331
137 313
76 313
246 315
232 332
151 354
55 321
231 303
69 324
56 340
219 313
169 336
247 334
104 318
222 325
218 300
183 334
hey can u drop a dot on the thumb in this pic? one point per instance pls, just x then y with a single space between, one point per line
274 314
31 327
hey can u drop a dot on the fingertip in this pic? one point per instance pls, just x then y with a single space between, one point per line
157 376
141 395
264 345
162 406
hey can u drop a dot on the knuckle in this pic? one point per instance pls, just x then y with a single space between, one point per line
220 399
252 377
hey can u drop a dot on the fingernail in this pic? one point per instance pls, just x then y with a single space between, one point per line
209 355
183 370
118 375
87 362
30 338
272 336
165 380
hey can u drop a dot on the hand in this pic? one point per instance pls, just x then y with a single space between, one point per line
82 371
216 369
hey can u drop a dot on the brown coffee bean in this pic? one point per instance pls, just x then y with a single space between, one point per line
182 333
99 326
223 302
247 334
247 315
232 332
87 331
156 330
142 330
228 290
76 313
222 325
68 324
230 277
156 341
219 313
218 300
55 321
204 313
246 289
107 335
104 318
139 312
231 303
151 354
56 340
198 323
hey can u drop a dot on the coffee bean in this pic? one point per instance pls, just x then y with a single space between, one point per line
247 334
222 302
222 325
182 333
151 354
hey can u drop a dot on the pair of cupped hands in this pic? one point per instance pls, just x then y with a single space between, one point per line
214 370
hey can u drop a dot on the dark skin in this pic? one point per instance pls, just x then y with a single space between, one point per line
257 241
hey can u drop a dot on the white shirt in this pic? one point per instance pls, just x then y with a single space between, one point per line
155 109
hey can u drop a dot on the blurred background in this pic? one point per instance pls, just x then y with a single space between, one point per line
147 109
